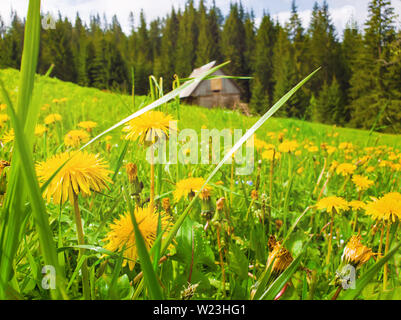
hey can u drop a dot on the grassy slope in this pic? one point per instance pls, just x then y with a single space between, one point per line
108 108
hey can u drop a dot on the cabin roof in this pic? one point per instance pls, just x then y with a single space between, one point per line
187 92
197 72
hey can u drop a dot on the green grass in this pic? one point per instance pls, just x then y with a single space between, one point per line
291 194
93 104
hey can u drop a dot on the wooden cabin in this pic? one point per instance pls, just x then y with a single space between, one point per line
213 92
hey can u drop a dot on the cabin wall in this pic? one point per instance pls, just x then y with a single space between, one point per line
204 96
217 100
204 88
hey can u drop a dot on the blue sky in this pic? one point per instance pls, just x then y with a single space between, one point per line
341 10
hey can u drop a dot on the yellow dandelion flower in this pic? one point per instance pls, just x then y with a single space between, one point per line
333 165
331 149
122 234
361 182
345 169
356 205
83 173
271 135
386 208
3 118
330 203
370 169
132 171
75 138
300 170
45 107
40 129
355 253
288 146
313 149
3 106
259 144
189 186
52 118
148 127
9 136
88 125
346 146
269 154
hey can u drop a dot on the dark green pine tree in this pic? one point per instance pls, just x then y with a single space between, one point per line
351 45
284 74
205 40
263 64
249 54
168 55
233 45
323 47
329 106
294 68
11 50
143 57
187 41
3 30
215 20
79 41
324 51
373 103
57 49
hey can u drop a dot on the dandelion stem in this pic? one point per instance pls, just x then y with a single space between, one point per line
223 281
337 293
81 241
385 274
330 239
152 180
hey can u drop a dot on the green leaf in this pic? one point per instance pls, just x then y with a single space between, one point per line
238 262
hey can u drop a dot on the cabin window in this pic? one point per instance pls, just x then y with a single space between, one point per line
216 85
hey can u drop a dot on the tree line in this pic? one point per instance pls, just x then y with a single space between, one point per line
359 84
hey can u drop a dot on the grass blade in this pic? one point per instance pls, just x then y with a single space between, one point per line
243 139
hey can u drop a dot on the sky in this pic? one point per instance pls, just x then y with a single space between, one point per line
341 10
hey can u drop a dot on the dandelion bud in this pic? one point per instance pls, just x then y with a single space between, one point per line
108 147
188 292
254 195
3 176
220 204
205 194
279 224
132 172
166 205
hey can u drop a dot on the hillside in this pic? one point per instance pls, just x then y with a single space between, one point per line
82 104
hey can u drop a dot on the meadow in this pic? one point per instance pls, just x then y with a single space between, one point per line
221 251
86 216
